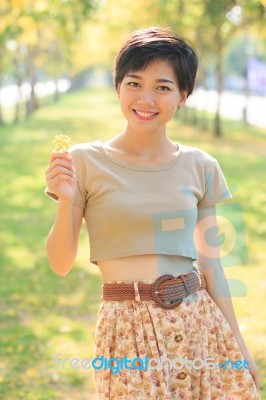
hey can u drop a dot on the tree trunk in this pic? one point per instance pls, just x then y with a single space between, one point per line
1 118
32 103
18 81
204 122
247 96
219 83
17 106
201 82
194 116
1 114
56 93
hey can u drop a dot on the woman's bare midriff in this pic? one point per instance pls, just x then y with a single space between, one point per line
144 267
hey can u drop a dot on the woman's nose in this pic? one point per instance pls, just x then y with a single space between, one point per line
146 97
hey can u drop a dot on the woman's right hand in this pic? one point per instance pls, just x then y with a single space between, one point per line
61 175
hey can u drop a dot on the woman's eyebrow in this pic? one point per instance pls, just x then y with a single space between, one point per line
163 80
160 80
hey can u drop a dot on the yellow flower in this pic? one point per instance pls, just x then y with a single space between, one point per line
62 142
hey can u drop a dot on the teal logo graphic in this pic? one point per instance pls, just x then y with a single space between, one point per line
174 234
144 363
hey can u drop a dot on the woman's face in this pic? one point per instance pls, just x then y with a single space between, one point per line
149 98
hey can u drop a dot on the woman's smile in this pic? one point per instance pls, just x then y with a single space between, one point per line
145 115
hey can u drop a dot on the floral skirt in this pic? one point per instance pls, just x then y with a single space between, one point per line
145 352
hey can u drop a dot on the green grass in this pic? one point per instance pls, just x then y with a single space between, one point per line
42 314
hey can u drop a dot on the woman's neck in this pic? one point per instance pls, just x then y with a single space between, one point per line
144 145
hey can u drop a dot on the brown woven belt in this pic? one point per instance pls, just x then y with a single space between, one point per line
167 291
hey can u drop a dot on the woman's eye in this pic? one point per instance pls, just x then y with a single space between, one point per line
163 88
133 84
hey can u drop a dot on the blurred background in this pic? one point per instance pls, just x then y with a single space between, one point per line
56 60
50 47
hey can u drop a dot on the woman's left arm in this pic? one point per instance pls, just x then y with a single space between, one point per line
208 246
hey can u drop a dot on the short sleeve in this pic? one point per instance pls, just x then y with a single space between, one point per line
80 197
215 188
50 194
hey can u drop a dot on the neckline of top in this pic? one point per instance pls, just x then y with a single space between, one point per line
160 167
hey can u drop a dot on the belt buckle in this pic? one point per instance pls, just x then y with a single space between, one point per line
155 292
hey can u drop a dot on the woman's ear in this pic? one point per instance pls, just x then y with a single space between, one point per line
182 101
118 90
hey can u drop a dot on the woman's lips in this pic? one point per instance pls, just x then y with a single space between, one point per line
145 115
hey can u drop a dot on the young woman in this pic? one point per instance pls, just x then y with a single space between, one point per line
149 205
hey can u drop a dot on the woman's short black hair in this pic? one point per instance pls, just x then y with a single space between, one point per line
150 44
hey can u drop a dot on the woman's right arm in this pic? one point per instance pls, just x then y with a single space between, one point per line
62 240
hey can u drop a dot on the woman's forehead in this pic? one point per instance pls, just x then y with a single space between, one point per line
156 67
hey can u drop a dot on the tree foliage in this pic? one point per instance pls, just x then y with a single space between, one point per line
65 36
38 35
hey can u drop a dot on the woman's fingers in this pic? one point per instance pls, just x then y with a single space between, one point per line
54 182
60 160
61 168
58 175
61 175
60 155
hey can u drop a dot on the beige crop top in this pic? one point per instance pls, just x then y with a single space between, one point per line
131 209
